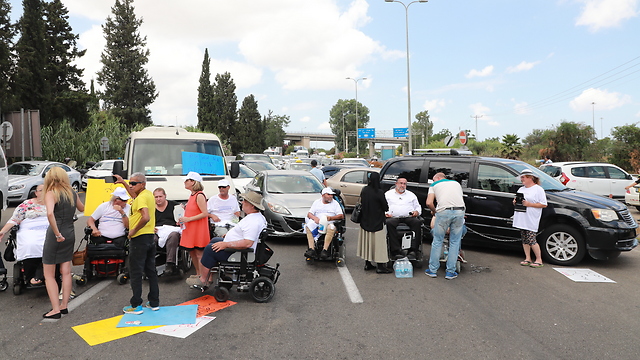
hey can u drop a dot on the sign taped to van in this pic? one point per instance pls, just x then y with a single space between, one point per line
203 164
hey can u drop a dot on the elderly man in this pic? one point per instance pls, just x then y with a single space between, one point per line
244 235
404 207
113 220
142 246
167 230
325 206
223 208
450 215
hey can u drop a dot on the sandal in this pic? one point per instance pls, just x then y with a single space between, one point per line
35 282
536 265
525 263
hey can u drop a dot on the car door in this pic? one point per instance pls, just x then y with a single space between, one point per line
490 203
618 179
351 185
597 182
454 170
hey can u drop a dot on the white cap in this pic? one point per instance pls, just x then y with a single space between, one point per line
121 193
224 182
327 190
192 175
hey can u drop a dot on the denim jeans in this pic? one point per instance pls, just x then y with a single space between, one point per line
211 258
142 258
446 219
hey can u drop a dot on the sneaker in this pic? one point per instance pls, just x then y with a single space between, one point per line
132 310
310 253
324 255
430 273
154 308
451 275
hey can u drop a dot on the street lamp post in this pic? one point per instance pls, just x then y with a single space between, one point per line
355 81
593 117
406 10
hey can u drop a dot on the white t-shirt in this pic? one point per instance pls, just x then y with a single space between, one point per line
400 205
319 208
248 228
530 220
224 209
448 194
110 224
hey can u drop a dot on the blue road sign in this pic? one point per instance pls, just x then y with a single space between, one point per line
401 132
367 133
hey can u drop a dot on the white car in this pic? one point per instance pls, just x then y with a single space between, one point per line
25 176
632 197
100 170
244 177
597 178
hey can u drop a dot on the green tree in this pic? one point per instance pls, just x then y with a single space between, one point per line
128 88
205 96
248 136
487 147
439 136
510 147
422 129
570 141
342 118
225 104
274 125
7 57
625 147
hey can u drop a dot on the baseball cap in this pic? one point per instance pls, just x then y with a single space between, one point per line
223 182
121 193
192 175
328 190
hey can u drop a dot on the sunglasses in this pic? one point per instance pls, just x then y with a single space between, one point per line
134 183
223 187
121 199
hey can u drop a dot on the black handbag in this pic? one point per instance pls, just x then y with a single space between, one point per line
9 252
356 215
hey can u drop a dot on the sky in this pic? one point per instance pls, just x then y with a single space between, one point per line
515 65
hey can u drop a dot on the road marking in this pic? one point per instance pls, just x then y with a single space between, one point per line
79 300
352 289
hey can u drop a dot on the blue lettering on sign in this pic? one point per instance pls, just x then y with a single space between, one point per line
203 164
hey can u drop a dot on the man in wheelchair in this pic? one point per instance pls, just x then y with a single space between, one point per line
112 218
242 236
404 207
321 217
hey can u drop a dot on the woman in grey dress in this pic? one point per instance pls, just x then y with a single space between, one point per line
61 202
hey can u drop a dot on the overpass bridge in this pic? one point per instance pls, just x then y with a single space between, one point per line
305 139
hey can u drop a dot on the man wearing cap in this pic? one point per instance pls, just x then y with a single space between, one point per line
113 219
404 207
325 206
223 208
317 172
449 215
244 235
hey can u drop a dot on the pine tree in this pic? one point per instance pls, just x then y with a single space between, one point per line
7 32
248 136
128 89
205 97
225 103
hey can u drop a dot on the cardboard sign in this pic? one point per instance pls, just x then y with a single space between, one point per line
203 163
98 192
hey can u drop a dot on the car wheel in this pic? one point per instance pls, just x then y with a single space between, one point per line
76 186
562 245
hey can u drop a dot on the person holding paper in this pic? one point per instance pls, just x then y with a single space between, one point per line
325 206
404 207
113 220
167 229
528 221
195 232
223 208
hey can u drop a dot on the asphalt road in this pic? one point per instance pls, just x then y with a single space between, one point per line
495 309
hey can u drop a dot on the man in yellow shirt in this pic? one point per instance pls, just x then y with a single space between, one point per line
142 246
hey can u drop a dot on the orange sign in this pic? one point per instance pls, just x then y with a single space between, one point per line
463 137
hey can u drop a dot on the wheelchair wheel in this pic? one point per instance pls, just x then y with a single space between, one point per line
4 285
186 263
81 281
262 289
122 279
17 289
221 293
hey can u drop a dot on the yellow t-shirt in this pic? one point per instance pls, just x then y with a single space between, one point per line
144 200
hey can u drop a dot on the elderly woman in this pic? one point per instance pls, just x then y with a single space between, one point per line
527 216
31 215
113 220
195 234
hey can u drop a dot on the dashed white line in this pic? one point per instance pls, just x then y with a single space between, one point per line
350 285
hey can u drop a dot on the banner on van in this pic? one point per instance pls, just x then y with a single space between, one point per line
203 164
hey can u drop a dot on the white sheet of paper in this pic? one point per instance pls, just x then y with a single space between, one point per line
583 275
163 233
182 331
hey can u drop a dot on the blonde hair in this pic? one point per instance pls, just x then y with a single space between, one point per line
197 186
57 181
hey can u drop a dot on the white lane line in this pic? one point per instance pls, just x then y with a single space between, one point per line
83 297
352 289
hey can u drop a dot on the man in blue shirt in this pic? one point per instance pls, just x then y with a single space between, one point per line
317 172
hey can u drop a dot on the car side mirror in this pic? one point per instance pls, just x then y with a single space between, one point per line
235 169
629 177
118 169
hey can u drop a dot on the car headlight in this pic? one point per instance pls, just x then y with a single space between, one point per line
604 214
16 187
277 208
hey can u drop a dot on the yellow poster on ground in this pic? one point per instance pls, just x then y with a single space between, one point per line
103 331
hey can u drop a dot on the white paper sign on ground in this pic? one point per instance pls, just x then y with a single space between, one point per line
583 275
182 331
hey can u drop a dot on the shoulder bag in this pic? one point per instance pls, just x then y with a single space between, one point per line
356 215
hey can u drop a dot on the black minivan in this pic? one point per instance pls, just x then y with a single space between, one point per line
573 224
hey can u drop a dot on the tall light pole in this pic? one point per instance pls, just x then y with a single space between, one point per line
406 11
476 117
355 81
593 117
344 131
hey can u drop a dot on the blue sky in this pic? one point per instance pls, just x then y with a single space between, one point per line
522 65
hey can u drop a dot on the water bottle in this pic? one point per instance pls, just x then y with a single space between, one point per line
409 268
397 268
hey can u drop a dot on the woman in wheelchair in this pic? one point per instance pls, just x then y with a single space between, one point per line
31 216
112 218
242 236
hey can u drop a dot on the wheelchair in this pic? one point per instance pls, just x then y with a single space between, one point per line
184 262
407 237
22 273
105 259
337 249
248 271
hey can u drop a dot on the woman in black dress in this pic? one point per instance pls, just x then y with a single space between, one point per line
372 239
61 202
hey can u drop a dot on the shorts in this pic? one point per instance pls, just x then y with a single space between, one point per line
528 237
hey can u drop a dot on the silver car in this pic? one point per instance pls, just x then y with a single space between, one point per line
100 170
287 198
25 176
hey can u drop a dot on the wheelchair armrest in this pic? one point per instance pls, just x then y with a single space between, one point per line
247 250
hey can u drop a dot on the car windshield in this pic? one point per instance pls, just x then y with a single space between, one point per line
259 166
162 157
103 165
546 181
25 169
300 166
293 184
260 157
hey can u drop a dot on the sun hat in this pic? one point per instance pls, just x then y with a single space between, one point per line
121 193
254 198
327 190
528 172
224 183
192 175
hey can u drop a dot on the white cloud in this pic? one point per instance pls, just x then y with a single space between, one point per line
523 66
480 73
604 100
434 105
479 109
324 126
493 123
520 108
599 14
305 119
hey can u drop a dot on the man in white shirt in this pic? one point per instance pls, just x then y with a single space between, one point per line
113 219
325 206
223 208
404 207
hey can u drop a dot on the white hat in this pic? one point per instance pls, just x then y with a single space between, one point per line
224 182
327 190
121 193
192 175
528 172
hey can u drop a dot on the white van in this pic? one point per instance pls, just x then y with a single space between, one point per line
166 154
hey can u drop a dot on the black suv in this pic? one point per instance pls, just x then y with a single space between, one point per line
573 224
